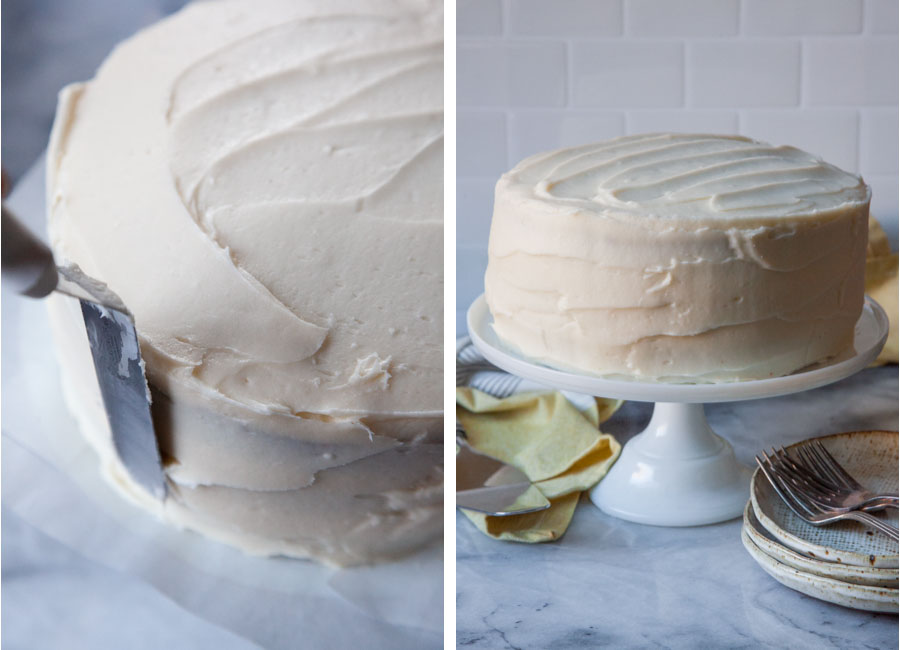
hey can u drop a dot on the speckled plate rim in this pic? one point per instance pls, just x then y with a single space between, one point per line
805 547
869 576
846 594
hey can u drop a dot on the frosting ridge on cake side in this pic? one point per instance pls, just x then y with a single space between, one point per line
677 257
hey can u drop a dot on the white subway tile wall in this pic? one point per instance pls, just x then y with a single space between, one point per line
625 73
801 17
877 126
481 145
736 73
850 71
479 17
534 75
511 73
880 16
686 18
831 133
566 18
532 132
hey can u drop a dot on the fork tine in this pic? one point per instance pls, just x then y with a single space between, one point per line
815 465
795 497
769 473
802 472
836 466
805 458
784 465
788 474
784 471
822 466
800 498
800 482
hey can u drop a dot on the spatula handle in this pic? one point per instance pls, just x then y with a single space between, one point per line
27 262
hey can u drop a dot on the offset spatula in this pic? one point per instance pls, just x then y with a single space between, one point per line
29 269
486 485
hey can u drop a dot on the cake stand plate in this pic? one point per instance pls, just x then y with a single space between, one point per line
678 472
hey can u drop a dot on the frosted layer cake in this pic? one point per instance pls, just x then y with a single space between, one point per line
677 257
261 184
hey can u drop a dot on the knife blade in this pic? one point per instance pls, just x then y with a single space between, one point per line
28 266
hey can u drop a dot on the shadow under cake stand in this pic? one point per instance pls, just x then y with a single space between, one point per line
677 471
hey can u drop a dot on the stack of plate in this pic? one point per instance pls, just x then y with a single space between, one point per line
844 563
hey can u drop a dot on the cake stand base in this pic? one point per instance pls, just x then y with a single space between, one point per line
677 472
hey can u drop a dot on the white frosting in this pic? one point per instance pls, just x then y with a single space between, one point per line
261 183
678 258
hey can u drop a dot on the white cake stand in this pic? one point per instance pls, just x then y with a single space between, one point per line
677 472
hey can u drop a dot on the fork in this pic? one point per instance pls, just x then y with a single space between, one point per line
813 511
824 488
820 460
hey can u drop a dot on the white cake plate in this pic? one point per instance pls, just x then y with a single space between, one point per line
678 472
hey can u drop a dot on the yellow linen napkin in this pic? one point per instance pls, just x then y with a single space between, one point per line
881 284
557 446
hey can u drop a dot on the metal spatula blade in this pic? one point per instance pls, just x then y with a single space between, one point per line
120 374
486 485
29 267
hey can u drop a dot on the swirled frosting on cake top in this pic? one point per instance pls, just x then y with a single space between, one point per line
684 176
261 183
678 257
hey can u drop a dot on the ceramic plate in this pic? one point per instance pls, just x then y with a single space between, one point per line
871 457
847 573
872 599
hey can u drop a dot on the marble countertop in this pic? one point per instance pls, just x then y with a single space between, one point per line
613 583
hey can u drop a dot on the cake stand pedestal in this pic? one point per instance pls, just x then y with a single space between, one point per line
678 472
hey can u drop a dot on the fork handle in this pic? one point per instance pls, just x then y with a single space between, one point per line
880 503
874 523
884 502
